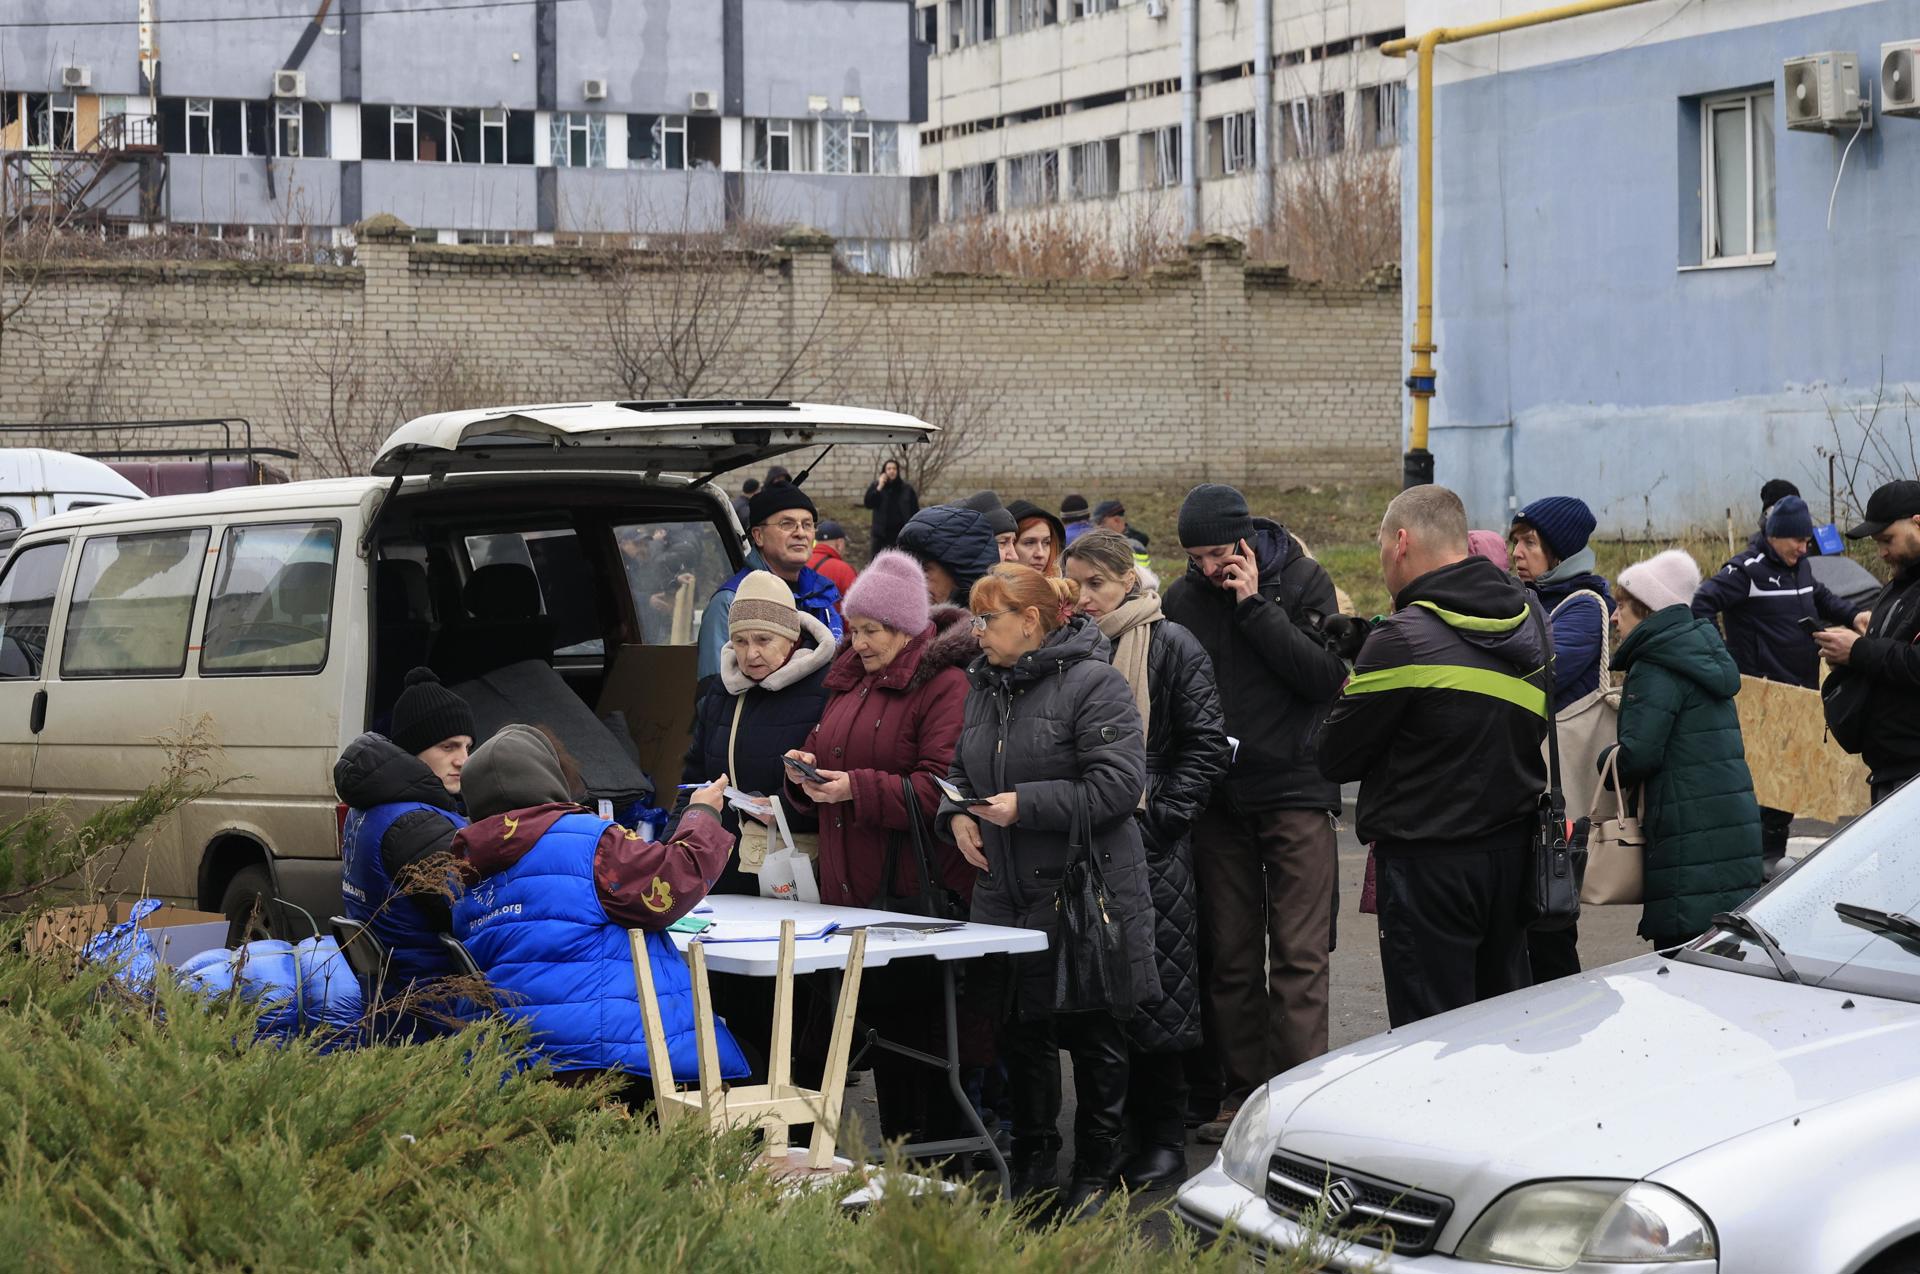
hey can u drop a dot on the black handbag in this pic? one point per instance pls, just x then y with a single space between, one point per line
1091 968
1844 698
1552 898
934 900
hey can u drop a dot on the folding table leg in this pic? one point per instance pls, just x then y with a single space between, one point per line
833 1084
958 1089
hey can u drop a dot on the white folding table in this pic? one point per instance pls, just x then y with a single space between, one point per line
744 939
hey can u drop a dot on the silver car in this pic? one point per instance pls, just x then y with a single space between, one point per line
1748 1103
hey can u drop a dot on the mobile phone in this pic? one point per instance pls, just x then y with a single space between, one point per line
958 797
1811 624
804 770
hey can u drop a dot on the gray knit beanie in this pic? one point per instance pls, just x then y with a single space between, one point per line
514 770
1214 513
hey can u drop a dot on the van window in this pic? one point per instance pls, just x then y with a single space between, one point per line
272 604
672 569
26 607
567 581
132 603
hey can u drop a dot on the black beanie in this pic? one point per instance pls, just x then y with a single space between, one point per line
1776 490
777 498
987 505
1214 513
428 712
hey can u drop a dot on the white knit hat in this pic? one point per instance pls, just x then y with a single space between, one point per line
1663 580
763 603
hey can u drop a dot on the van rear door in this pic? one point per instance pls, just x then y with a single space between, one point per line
701 438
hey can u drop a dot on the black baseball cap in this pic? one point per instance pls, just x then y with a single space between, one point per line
1107 509
1892 502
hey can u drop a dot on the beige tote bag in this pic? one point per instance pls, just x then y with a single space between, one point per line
1590 723
1616 845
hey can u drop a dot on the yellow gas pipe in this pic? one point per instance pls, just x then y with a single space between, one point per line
1418 466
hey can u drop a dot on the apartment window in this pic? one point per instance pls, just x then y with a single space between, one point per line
1383 112
493 135
866 256
1160 157
1033 180
1313 127
578 140
927 25
673 141
1087 8
403 125
783 145
1031 15
50 121
199 126
1736 136
973 192
1093 169
492 238
286 130
970 21
860 146
1230 144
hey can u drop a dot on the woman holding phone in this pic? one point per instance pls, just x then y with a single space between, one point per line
896 691
1053 740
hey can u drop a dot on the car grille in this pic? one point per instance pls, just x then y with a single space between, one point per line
1378 1211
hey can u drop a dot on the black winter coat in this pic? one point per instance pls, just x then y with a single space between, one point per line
1058 726
776 715
1276 676
374 771
1760 601
892 506
956 537
1889 657
1186 756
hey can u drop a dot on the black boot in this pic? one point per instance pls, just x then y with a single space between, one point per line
1151 1167
1034 1166
1096 1171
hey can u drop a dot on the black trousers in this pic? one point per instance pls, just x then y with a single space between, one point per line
1157 1100
1881 791
1553 953
905 1001
1098 1045
1450 932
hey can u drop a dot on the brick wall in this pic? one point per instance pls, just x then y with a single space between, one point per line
1211 369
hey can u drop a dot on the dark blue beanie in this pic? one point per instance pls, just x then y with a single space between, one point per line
1565 523
1790 520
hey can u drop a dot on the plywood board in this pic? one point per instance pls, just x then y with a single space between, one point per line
654 686
1796 765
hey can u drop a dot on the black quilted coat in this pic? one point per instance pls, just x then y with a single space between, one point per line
1186 755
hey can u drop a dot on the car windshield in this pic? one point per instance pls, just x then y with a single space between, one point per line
1872 868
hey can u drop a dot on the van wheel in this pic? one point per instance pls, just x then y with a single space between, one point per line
248 905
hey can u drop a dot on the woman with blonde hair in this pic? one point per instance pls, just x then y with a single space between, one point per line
1051 748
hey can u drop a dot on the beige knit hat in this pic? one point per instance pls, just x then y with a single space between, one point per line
764 604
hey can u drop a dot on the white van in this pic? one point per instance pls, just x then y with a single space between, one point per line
36 484
288 615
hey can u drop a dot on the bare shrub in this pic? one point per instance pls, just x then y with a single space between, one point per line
1058 243
1335 219
942 393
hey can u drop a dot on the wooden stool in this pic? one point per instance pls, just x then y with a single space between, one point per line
777 1103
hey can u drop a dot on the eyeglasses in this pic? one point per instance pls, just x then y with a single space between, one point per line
980 622
787 526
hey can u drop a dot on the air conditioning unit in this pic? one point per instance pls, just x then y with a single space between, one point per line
703 100
76 77
289 83
1900 78
1156 8
1823 91
594 90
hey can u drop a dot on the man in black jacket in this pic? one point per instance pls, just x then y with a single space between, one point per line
1887 655
1264 850
1442 724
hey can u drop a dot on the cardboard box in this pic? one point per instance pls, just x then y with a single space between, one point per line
655 687
179 934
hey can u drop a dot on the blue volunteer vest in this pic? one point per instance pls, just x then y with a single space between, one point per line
371 898
539 933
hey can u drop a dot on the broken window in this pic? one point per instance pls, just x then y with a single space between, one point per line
1160 157
973 192
1230 144
860 146
657 141
493 135
1087 8
1313 127
928 28
577 139
199 126
1093 169
783 145
970 21
1382 108
1033 180
433 133
376 132
405 129
520 137
286 129
50 119
1031 15
866 256
9 109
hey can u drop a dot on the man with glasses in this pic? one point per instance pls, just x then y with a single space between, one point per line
780 521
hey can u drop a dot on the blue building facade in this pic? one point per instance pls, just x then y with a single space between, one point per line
1638 298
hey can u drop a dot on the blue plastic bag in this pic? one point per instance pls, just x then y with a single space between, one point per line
299 988
127 949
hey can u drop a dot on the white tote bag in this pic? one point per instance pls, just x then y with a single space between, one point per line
1590 723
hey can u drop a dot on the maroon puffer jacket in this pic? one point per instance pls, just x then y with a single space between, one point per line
903 719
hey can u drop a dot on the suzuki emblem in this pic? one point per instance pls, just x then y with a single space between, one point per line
1340 1196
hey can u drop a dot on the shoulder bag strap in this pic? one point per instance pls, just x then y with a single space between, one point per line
922 856
733 733
1556 800
1606 669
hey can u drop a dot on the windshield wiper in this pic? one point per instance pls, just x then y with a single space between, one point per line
1890 923
1745 925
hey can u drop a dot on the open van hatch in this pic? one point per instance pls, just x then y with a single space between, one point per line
692 437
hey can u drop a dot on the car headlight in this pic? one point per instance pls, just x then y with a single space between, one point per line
1249 1143
1553 1224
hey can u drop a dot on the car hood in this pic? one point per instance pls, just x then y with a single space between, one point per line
1610 1074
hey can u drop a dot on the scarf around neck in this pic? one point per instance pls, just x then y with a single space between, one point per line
1581 563
1130 628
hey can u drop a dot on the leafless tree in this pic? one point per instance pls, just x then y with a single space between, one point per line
941 393
1870 447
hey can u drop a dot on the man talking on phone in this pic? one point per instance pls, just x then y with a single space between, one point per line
1264 850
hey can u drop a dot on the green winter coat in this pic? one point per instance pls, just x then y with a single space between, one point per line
1680 742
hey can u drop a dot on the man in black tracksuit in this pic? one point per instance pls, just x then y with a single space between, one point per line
1888 656
1264 851
1442 724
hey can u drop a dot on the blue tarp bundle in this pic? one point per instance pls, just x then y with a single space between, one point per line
300 987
